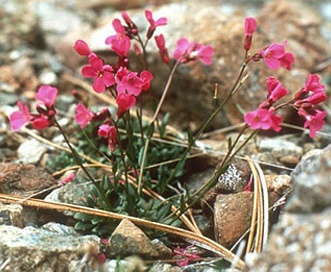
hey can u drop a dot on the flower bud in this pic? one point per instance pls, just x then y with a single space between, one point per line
82 48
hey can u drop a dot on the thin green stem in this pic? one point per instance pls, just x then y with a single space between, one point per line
96 149
140 122
165 90
235 87
243 144
229 156
143 46
151 123
129 128
74 153
204 188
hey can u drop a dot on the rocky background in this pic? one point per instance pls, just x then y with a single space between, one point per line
36 41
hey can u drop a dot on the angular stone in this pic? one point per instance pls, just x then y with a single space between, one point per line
232 216
127 239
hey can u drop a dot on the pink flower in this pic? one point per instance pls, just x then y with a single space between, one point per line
121 72
120 43
104 130
287 60
315 121
130 84
102 74
83 116
40 122
69 177
249 29
146 77
313 100
101 115
313 84
127 18
82 48
153 24
47 95
185 255
272 54
275 89
137 49
264 119
186 51
124 102
19 118
275 56
131 29
109 132
313 92
160 43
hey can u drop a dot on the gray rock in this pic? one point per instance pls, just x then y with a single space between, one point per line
299 242
129 264
161 267
312 183
55 21
48 77
31 151
20 27
280 147
11 215
71 193
76 191
50 248
6 98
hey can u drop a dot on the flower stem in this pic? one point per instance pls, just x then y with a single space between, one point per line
151 123
74 153
233 90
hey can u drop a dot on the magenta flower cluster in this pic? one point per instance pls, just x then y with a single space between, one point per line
124 85
305 101
45 110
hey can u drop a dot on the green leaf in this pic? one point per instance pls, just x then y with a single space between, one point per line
242 111
140 156
190 137
82 216
164 123
96 220
150 130
83 226
229 143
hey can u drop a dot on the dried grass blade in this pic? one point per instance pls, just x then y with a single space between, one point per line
185 234
265 205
